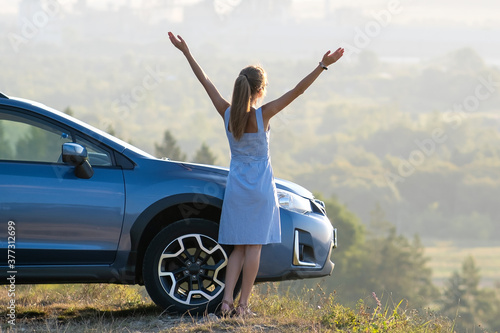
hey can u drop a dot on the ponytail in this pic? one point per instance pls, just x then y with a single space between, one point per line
240 106
246 86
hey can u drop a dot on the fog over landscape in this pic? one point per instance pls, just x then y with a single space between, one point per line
395 29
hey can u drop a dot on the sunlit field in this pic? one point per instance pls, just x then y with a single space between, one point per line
445 259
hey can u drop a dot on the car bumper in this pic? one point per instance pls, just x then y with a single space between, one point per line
307 241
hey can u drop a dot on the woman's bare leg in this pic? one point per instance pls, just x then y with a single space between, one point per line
250 269
234 266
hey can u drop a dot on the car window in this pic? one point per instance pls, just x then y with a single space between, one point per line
30 139
97 155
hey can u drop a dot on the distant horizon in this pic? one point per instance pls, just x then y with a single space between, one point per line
395 30
445 13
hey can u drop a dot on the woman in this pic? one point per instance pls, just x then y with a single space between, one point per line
250 212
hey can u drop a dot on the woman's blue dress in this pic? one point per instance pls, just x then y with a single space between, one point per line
250 211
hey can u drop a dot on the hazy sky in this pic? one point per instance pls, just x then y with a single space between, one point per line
418 29
479 13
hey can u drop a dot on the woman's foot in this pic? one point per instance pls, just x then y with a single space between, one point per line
227 308
243 310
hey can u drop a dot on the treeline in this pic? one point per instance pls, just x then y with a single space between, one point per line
441 190
169 148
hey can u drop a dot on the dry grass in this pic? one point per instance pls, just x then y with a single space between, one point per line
115 308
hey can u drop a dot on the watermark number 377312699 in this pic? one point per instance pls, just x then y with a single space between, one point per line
11 272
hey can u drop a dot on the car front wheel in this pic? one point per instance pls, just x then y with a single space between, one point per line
184 267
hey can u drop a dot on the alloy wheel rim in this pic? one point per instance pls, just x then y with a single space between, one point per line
191 269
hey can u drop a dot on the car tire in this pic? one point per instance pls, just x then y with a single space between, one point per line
184 267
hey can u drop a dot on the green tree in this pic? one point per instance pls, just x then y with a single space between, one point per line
350 255
379 261
468 305
41 145
5 148
110 130
169 148
204 155
69 111
465 59
397 269
494 306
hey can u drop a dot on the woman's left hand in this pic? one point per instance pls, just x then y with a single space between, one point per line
178 42
329 58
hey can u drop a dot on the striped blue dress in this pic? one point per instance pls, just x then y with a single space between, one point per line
250 211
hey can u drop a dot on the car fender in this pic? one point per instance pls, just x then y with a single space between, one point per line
155 205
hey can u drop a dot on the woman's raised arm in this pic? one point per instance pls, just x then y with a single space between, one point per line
272 108
218 101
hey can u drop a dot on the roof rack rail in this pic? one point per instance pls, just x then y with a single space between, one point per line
3 96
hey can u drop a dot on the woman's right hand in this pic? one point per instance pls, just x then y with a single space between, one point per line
330 58
178 42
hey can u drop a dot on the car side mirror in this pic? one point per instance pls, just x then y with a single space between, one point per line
76 155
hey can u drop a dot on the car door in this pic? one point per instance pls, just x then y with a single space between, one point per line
59 219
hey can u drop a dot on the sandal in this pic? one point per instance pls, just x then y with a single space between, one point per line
243 310
227 312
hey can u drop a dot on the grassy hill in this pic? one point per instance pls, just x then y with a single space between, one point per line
115 308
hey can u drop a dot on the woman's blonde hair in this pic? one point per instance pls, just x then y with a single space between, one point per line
251 80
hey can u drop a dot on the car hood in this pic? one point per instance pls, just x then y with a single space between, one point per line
280 183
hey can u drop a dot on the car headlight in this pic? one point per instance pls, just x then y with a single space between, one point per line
293 202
